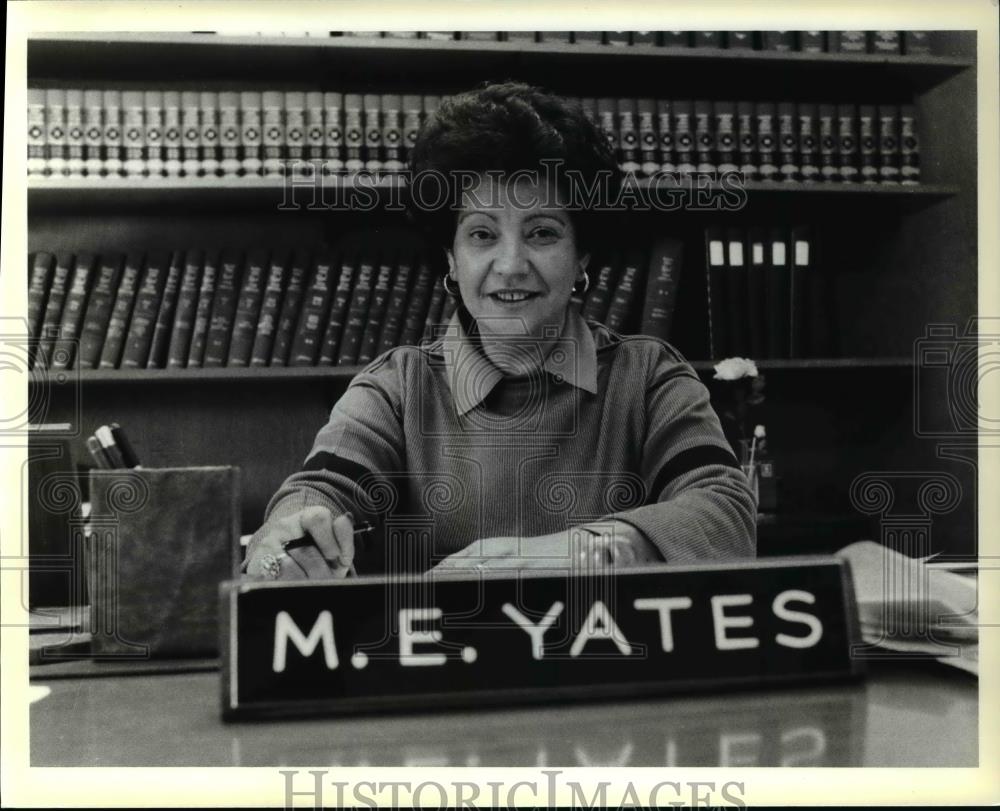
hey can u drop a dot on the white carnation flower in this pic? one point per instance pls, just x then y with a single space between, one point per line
735 368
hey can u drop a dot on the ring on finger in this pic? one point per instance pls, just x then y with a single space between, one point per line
269 566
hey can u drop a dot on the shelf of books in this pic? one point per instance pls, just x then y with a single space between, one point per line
218 211
766 293
908 54
318 191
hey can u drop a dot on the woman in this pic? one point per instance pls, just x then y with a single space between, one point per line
524 436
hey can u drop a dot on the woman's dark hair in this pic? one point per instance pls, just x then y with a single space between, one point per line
506 128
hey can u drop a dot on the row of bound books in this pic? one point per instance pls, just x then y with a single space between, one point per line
342 306
909 42
169 133
112 133
635 290
768 295
763 140
195 308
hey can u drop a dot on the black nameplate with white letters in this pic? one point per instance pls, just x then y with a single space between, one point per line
424 642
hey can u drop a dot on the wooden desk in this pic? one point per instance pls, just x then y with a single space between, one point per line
903 714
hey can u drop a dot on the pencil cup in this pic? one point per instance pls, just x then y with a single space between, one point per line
159 543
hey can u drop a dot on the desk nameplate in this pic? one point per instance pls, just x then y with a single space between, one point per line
420 642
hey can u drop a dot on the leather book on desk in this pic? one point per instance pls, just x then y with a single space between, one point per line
160 542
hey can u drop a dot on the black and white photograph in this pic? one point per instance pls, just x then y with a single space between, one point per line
500 417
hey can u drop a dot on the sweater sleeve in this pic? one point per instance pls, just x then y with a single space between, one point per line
362 439
699 504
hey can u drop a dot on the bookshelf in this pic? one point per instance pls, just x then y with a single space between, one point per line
52 54
46 194
337 375
902 257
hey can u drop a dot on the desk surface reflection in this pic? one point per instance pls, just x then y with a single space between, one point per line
904 714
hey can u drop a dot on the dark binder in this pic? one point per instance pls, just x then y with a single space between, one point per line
270 310
392 327
434 308
187 305
661 287
757 266
42 265
416 307
147 305
121 313
718 316
737 292
357 312
203 312
290 310
248 309
620 313
220 325
778 294
102 299
334 330
73 312
814 327
604 274
377 308
165 313
315 306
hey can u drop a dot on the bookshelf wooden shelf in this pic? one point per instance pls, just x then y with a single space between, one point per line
51 54
824 364
205 192
332 192
899 259
199 375
345 373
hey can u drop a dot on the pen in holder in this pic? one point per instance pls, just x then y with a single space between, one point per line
160 541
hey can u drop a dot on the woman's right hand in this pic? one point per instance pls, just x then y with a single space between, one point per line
328 552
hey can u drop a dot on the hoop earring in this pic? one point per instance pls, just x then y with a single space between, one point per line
448 290
586 286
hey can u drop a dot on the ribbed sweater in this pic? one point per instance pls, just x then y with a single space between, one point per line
438 448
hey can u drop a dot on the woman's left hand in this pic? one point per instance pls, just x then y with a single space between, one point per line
577 550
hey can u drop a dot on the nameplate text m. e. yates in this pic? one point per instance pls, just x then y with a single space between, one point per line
424 642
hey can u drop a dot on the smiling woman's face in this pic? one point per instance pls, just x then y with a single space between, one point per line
515 257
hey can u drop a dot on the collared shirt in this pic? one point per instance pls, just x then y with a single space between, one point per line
438 447
472 376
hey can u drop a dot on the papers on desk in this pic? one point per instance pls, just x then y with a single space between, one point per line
909 607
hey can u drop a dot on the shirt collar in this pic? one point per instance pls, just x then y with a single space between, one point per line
472 376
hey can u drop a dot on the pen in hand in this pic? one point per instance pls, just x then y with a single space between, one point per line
296 543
